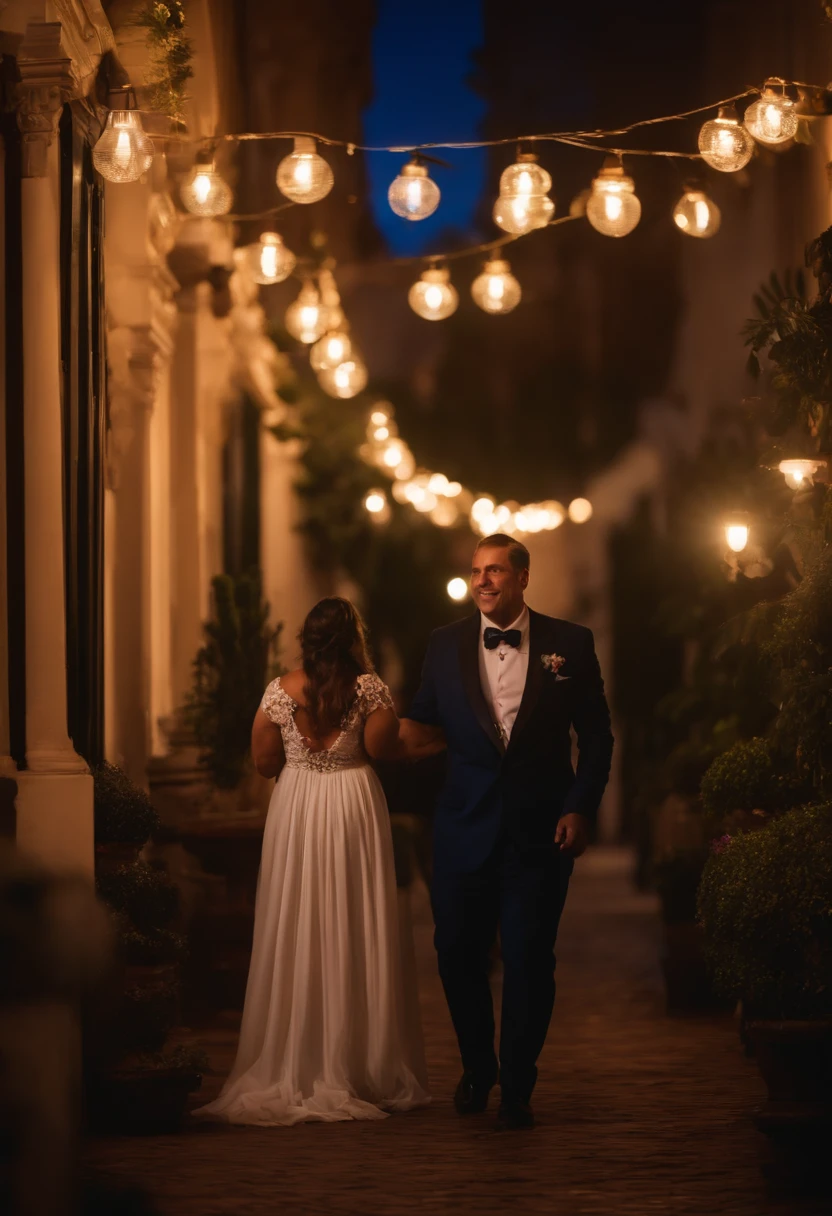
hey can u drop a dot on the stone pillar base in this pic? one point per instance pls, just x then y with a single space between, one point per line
55 819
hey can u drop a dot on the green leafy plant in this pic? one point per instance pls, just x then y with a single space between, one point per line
230 672
171 56
765 903
123 811
751 776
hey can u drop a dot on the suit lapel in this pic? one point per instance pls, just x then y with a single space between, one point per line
469 662
534 675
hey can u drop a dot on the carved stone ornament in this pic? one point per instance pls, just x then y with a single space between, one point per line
45 86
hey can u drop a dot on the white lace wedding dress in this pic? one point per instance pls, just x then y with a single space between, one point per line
330 1025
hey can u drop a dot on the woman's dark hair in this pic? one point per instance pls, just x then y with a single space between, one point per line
334 648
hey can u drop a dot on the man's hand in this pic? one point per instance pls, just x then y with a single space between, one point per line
571 835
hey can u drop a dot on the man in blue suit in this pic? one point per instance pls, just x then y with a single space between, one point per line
505 686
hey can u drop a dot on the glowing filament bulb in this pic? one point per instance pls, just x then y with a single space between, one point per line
433 296
612 207
736 536
772 119
330 351
124 152
303 175
205 192
413 195
269 260
724 144
695 214
496 290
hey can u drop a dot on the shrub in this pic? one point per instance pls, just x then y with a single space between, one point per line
765 904
123 812
751 777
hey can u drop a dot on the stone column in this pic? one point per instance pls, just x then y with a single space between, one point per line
54 819
7 766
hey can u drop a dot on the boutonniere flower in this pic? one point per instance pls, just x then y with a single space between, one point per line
553 663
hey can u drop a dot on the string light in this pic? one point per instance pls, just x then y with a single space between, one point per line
413 195
205 192
333 348
345 380
523 203
736 533
306 317
458 589
800 473
695 214
724 144
375 501
773 119
613 207
269 260
433 296
303 175
124 153
496 290
580 510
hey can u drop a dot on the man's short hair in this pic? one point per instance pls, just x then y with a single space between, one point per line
518 554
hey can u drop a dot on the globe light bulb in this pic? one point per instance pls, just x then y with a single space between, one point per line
458 589
345 380
736 536
413 195
496 290
433 296
553 514
522 213
525 178
800 473
124 153
303 175
269 260
333 348
724 144
375 501
205 192
773 119
695 214
482 508
580 510
306 318
613 208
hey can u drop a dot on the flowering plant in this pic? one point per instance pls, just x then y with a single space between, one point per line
553 663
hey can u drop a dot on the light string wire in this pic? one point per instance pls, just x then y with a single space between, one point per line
578 139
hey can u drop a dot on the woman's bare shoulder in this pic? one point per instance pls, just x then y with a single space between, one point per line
293 682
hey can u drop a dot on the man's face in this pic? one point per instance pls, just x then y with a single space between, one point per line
496 586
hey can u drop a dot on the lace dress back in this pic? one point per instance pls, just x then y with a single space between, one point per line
347 751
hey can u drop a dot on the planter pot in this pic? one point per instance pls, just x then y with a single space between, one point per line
140 1101
687 981
794 1059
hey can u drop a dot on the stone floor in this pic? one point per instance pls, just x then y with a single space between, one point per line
637 1112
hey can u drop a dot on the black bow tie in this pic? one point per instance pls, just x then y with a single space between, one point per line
495 637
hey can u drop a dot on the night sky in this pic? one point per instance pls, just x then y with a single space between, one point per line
421 59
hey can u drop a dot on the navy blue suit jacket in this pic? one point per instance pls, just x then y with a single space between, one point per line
527 786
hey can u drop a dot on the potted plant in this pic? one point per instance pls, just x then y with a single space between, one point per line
765 904
132 1085
231 671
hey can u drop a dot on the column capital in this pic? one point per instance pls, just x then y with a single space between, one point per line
46 84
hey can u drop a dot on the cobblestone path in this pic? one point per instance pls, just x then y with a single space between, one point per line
638 1113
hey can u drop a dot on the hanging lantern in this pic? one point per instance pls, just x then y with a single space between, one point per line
303 175
496 290
306 318
205 192
695 214
524 203
800 473
331 350
124 152
269 260
413 195
345 380
434 297
724 144
613 207
773 119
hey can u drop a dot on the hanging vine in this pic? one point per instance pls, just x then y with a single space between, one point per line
171 56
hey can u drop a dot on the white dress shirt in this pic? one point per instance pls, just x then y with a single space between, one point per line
503 673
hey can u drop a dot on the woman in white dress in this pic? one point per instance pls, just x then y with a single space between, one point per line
330 1027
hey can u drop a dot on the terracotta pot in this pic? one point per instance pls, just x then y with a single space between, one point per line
140 1101
795 1060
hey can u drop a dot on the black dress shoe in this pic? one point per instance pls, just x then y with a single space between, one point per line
515 1117
471 1097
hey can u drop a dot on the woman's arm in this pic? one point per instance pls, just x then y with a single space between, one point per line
419 740
267 746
